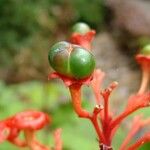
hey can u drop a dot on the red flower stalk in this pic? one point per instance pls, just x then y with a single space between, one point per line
102 118
134 103
75 90
102 113
143 60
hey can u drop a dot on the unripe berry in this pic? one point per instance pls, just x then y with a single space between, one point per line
71 60
145 50
81 28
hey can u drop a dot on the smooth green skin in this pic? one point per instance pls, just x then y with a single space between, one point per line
58 58
82 63
145 50
79 63
81 28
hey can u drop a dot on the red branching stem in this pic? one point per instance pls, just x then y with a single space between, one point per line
57 138
106 121
75 91
107 118
122 116
134 103
94 121
140 142
106 93
106 109
98 130
145 79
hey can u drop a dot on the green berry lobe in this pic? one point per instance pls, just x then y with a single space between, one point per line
81 28
71 60
145 50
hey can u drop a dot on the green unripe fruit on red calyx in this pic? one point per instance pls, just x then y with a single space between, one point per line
145 50
81 28
71 60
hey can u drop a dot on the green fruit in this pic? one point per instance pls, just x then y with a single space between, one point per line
145 50
71 60
81 28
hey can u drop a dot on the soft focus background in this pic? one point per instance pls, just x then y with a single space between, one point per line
28 28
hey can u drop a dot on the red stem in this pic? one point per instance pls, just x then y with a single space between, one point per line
106 109
75 91
106 121
122 116
145 80
97 128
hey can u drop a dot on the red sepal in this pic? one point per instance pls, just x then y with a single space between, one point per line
70 81
83 40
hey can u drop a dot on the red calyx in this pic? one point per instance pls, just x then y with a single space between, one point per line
70 81
83 40
143 60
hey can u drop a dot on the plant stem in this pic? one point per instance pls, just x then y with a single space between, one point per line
29 136
122 116
75 91
145 80
97 128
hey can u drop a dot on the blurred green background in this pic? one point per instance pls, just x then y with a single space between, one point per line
27 30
